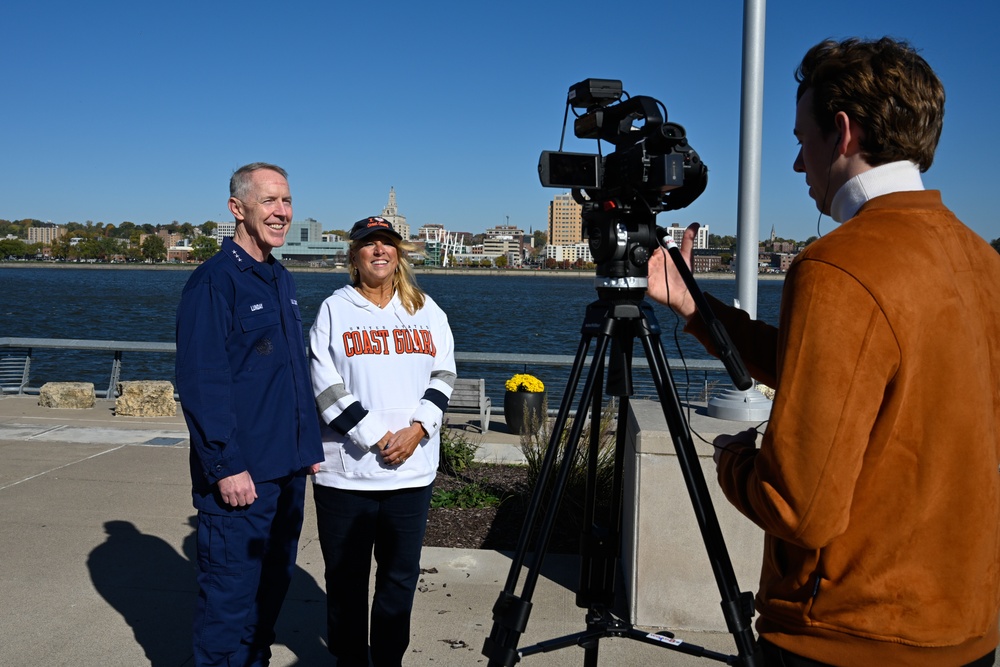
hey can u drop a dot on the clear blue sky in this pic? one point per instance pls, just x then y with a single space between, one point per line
140 111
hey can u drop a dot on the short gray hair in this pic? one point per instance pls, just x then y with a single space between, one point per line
239 184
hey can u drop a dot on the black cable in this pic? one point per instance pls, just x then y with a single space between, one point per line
680 352
687 374
829 171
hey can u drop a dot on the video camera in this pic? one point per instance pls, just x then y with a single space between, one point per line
652 169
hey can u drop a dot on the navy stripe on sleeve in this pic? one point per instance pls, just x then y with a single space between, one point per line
349 418
437 398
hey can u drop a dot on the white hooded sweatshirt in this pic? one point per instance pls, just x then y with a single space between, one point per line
376 370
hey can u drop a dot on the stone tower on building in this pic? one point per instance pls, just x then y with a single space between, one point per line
391 213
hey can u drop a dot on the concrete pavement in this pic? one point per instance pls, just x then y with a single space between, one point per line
96 542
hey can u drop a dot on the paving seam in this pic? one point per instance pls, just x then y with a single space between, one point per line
65 465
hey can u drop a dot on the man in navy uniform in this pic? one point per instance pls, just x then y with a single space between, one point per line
244 387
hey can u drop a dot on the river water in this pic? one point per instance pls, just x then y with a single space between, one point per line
499 312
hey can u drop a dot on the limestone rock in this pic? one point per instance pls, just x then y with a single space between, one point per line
767 391
74 395
145 398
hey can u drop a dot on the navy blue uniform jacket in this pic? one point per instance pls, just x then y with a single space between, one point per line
242 374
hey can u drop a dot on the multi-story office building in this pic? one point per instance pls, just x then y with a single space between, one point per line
224 230
700 241
170 240
569 253
45 235
705 261
504 240
305 231
304 243
430 231
565 221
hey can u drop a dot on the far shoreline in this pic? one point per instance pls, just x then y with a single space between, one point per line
532 273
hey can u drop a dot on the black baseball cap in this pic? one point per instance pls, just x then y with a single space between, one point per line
369 226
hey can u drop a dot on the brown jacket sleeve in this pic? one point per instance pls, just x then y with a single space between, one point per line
835 357
756 341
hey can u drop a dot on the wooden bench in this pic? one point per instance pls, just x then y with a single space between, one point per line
470 394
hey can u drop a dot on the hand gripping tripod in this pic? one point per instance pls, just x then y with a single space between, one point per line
617 317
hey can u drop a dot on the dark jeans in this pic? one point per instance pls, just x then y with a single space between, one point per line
352 525
779 657
245 564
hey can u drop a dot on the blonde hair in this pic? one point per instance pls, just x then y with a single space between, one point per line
403 280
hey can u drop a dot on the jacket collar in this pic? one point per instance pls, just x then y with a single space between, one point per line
241 258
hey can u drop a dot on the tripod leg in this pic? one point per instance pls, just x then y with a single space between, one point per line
736 606
548 461
510 612
592 539
600 546
601 541
569 456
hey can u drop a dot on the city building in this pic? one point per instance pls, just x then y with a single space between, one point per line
705 260
677 233
775 262
783 246
430 231
441 247
224 230
504 241
178 253
304 243
570 254
565 220
170 240
305 231
391 214
45 235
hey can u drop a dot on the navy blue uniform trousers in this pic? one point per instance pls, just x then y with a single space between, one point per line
245 564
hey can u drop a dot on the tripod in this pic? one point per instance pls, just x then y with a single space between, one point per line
616 319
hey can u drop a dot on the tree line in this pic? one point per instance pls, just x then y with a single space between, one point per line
108 242
102 242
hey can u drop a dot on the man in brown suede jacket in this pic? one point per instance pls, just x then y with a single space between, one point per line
877 481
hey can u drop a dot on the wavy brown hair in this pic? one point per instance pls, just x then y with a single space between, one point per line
886 87
403 281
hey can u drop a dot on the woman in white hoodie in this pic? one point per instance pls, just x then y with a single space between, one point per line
383 367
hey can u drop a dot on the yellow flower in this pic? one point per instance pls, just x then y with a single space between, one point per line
524 382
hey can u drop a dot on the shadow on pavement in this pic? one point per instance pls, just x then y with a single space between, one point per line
154 588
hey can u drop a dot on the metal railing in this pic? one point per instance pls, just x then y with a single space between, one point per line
695 379
115 349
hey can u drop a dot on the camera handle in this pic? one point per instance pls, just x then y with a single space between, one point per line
720 337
